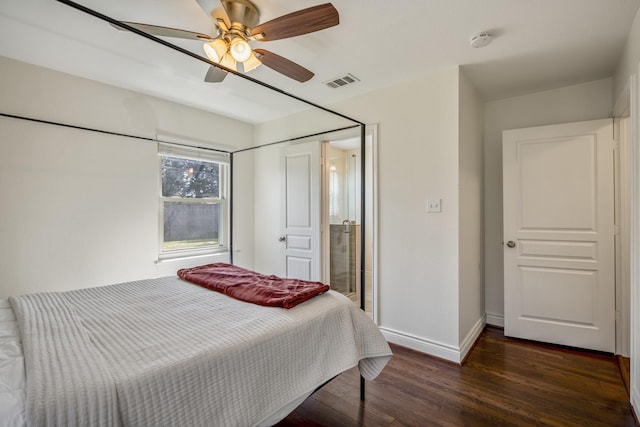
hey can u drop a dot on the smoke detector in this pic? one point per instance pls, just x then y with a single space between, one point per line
481 39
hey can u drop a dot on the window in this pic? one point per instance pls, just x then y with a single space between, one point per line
193 201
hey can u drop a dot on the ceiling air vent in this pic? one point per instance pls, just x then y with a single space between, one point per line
342 81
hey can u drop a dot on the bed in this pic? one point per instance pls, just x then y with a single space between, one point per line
165 352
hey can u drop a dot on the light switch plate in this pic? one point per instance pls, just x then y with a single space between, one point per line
434 205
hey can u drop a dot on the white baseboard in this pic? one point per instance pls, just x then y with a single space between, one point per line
472 336
495 319
433 348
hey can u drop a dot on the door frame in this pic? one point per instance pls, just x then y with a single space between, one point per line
635 240
371 209
629 101
622 165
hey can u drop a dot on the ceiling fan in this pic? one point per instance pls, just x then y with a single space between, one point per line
231 48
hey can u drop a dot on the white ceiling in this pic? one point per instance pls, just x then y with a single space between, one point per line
539 44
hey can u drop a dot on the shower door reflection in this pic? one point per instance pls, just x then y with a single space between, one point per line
345 259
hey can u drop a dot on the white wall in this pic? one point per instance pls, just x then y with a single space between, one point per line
243 209
418 252
310 122
587 101
80 208
629 60
471 283
418 160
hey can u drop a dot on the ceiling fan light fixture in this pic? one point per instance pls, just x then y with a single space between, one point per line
251 63
229 62
240 49
215 50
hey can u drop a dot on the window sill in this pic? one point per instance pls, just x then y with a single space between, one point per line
169 266
194 253
167 258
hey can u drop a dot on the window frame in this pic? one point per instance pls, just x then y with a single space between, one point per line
200 155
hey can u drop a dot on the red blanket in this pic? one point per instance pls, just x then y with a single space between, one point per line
249 286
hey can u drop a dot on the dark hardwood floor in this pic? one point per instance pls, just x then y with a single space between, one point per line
504 382
624 363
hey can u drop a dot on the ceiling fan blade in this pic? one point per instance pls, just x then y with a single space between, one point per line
283 65
304 21
215 75
157 30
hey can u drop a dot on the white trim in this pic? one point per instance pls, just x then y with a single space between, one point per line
325 223
200 259
168 267
192 153
433 348
467 344
622 161
373 130
164 150
635 241
495 319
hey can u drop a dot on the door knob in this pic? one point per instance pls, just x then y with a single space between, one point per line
511 244
282 239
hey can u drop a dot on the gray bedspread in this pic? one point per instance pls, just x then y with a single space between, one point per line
163 352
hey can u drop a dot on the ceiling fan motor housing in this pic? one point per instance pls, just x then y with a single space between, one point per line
241 11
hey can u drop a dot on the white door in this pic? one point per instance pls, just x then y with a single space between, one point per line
301 208
559 234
